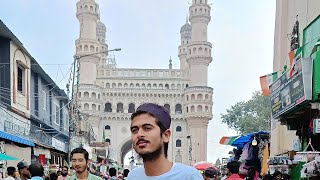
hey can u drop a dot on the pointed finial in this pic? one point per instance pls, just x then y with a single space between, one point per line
187 18
170 63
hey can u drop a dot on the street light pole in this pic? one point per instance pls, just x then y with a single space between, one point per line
190 149
71 109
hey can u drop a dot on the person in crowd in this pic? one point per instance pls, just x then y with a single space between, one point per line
23 170
277 175
150 134
113 173
59 173
11 173
125 173
53 176
36 171
210 174
64 173
80 160
233 170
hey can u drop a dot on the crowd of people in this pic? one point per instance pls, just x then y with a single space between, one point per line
150 135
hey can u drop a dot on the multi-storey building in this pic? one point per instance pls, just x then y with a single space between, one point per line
287 11
109 95
33 109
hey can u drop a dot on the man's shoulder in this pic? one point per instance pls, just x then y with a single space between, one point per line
136 171
185 168
94 177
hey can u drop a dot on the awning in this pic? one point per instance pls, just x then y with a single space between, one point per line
17 139
225 140
244 139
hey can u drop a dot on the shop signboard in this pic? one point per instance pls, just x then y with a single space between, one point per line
316 126
293 88
99 144
14 124
59 145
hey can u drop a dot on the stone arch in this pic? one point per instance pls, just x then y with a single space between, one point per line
125 146
86 106
131 108
166 86
167 106
94 107
107 127
178 143
187 97
160 86
86 48
200 50
178 129
137 85
91 8
173 86
107 85
131 85
125 85
86 94
98 96
93 95
114 85
194 50
178 109
199 97
154 86
199 108
108 107
149 86
193 97
206 108
206 97
192 108
119 85
91 48
120 108
98 107
143 85
179 86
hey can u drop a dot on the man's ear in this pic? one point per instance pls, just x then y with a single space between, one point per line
166 135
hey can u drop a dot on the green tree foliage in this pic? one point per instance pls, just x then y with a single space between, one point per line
249 116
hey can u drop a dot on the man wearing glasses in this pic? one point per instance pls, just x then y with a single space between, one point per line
80 161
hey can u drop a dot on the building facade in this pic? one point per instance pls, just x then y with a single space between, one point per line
282 139
34 115
108 95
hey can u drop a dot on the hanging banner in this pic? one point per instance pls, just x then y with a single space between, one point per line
293 88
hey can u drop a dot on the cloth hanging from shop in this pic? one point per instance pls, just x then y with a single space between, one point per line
264 169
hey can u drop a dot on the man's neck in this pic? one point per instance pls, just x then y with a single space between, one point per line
157 167
83 175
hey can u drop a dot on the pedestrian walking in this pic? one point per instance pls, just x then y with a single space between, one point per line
11 173
23 171
210 174
36 171
113 174
80 162
150 134
233 170
125 174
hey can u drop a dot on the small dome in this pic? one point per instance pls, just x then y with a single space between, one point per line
101 26
186 28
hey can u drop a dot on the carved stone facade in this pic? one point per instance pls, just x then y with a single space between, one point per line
109 95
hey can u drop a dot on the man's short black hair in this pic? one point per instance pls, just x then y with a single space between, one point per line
80 151
233 167
112 171
162 129
65 167
53 176
126 172
36 169
11 170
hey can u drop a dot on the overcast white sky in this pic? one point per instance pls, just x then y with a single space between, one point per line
148 31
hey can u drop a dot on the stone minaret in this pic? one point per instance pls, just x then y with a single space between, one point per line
198 94
101 36
88 15
185 32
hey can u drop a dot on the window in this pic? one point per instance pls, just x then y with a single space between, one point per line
178 143
108 107
131 108
178 109
66 121
20 79
178 129
119 108
44 97
57 116
107 127
167 106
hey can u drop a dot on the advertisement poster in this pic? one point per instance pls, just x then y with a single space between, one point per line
292 88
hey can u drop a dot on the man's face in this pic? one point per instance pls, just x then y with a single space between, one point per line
25 172
146 137
79 162
64 171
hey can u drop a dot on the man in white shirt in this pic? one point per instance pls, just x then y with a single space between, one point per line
11 173
150 134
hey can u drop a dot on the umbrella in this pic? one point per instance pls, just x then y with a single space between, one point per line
203 165
6 157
